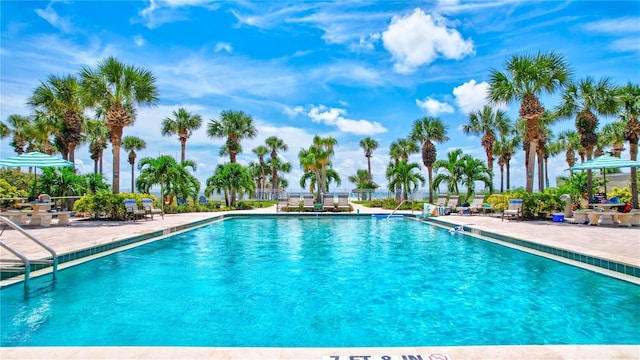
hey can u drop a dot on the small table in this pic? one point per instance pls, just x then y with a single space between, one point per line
39 209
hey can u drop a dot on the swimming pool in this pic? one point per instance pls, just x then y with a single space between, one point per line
321 282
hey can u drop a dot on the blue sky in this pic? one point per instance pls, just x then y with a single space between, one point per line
346 69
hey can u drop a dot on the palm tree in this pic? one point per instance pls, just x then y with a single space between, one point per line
473 170
526 77
183 123
97 135
275 144
401 149
612 134
317 160
569 140
506 145
4 130
260 152
452 172
277 166
20 125
62 96
403 173
230 178
363 181
425 131
368 145
39 133
174 179
628 98
115 89
544 134
235 126
586 99
487 122
131 144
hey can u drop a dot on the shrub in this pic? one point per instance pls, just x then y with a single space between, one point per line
9 191
623 194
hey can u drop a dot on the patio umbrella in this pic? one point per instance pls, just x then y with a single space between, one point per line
35 159
605 162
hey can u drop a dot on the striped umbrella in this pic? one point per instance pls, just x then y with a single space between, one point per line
35 159
605 162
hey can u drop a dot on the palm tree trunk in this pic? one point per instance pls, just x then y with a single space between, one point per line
430 173
633 151
133 189
540 171
116 141
508 174
501 179
531 160
183 149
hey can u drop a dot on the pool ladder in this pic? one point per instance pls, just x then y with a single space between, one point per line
25 266
398 207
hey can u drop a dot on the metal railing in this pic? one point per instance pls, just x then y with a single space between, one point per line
398 207
22 258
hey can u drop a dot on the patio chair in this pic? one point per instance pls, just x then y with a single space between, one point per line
133 212
294 202
452 204
44 198
441 203
343 202
475 206
147 206
282 204
328 202
308 201
203 200
514 209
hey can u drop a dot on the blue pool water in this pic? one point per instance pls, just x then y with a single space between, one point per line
322 282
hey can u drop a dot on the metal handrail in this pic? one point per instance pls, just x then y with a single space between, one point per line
25 261
19 229
398 207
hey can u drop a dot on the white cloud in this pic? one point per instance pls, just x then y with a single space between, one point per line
139 40
293 111
434 107
614 26
471 96
365 44
52 17
335 117
222 46
162 12
419 39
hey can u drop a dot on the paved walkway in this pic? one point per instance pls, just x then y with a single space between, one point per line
607 242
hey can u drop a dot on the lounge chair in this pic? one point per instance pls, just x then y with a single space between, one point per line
131 206
514 209
475 206
329 202
343 202
282 204
147 206
294 202
452 204
441 203
308 201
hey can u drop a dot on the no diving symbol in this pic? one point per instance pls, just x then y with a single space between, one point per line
438 357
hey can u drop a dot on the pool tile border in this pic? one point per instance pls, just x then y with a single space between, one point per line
614 266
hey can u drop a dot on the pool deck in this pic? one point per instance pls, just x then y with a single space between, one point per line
619 244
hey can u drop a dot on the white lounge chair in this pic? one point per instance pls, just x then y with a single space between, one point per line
343 202
475 206
294 202
514 209
452 204
308 201
329 202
